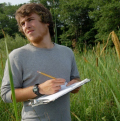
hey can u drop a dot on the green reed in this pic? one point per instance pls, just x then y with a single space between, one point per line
11 81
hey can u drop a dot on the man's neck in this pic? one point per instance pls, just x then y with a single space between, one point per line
48 44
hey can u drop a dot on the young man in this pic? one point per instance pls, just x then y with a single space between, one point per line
41 54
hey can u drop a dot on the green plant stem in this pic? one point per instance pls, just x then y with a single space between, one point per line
11 83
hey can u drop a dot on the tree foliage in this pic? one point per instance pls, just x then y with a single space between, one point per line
106 16
7 19
83 21
77 24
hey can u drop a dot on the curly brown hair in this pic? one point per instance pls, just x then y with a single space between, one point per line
39 9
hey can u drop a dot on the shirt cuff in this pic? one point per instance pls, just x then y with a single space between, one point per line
8 97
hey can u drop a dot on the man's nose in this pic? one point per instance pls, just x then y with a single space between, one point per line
27 24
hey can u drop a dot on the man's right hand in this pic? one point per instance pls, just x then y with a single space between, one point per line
51 86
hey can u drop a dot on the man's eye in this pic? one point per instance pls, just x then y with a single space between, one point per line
22 24
30 19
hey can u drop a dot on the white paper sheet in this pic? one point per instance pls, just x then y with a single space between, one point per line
64 90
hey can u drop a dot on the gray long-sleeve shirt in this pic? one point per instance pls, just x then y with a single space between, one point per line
25 62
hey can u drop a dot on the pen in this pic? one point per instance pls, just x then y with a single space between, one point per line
46 75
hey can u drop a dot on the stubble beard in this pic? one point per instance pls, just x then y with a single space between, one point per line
38 39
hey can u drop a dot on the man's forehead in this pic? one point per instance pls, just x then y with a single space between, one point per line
33 15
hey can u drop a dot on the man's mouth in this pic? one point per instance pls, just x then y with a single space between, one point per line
30 31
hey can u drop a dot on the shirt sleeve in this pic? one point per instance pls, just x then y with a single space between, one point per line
74 70
17 78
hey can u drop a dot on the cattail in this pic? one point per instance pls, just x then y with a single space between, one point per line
85 60
105 45
97 53
103 51
116 43
98 49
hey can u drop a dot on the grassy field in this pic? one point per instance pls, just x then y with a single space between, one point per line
97 100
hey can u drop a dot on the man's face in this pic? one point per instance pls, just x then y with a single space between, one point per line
33 28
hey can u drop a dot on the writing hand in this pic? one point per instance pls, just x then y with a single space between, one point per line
51 86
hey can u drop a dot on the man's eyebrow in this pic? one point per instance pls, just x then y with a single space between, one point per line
30 17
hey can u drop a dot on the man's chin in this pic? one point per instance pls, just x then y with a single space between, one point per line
35 40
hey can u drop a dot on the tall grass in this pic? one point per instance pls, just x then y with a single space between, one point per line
11 81
97 100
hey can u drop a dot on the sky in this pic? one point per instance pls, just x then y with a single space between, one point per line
14 2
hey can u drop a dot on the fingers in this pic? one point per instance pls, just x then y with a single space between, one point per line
51 86
58 82
57 88
71 82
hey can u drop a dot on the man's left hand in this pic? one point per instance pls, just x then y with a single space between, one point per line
72 82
